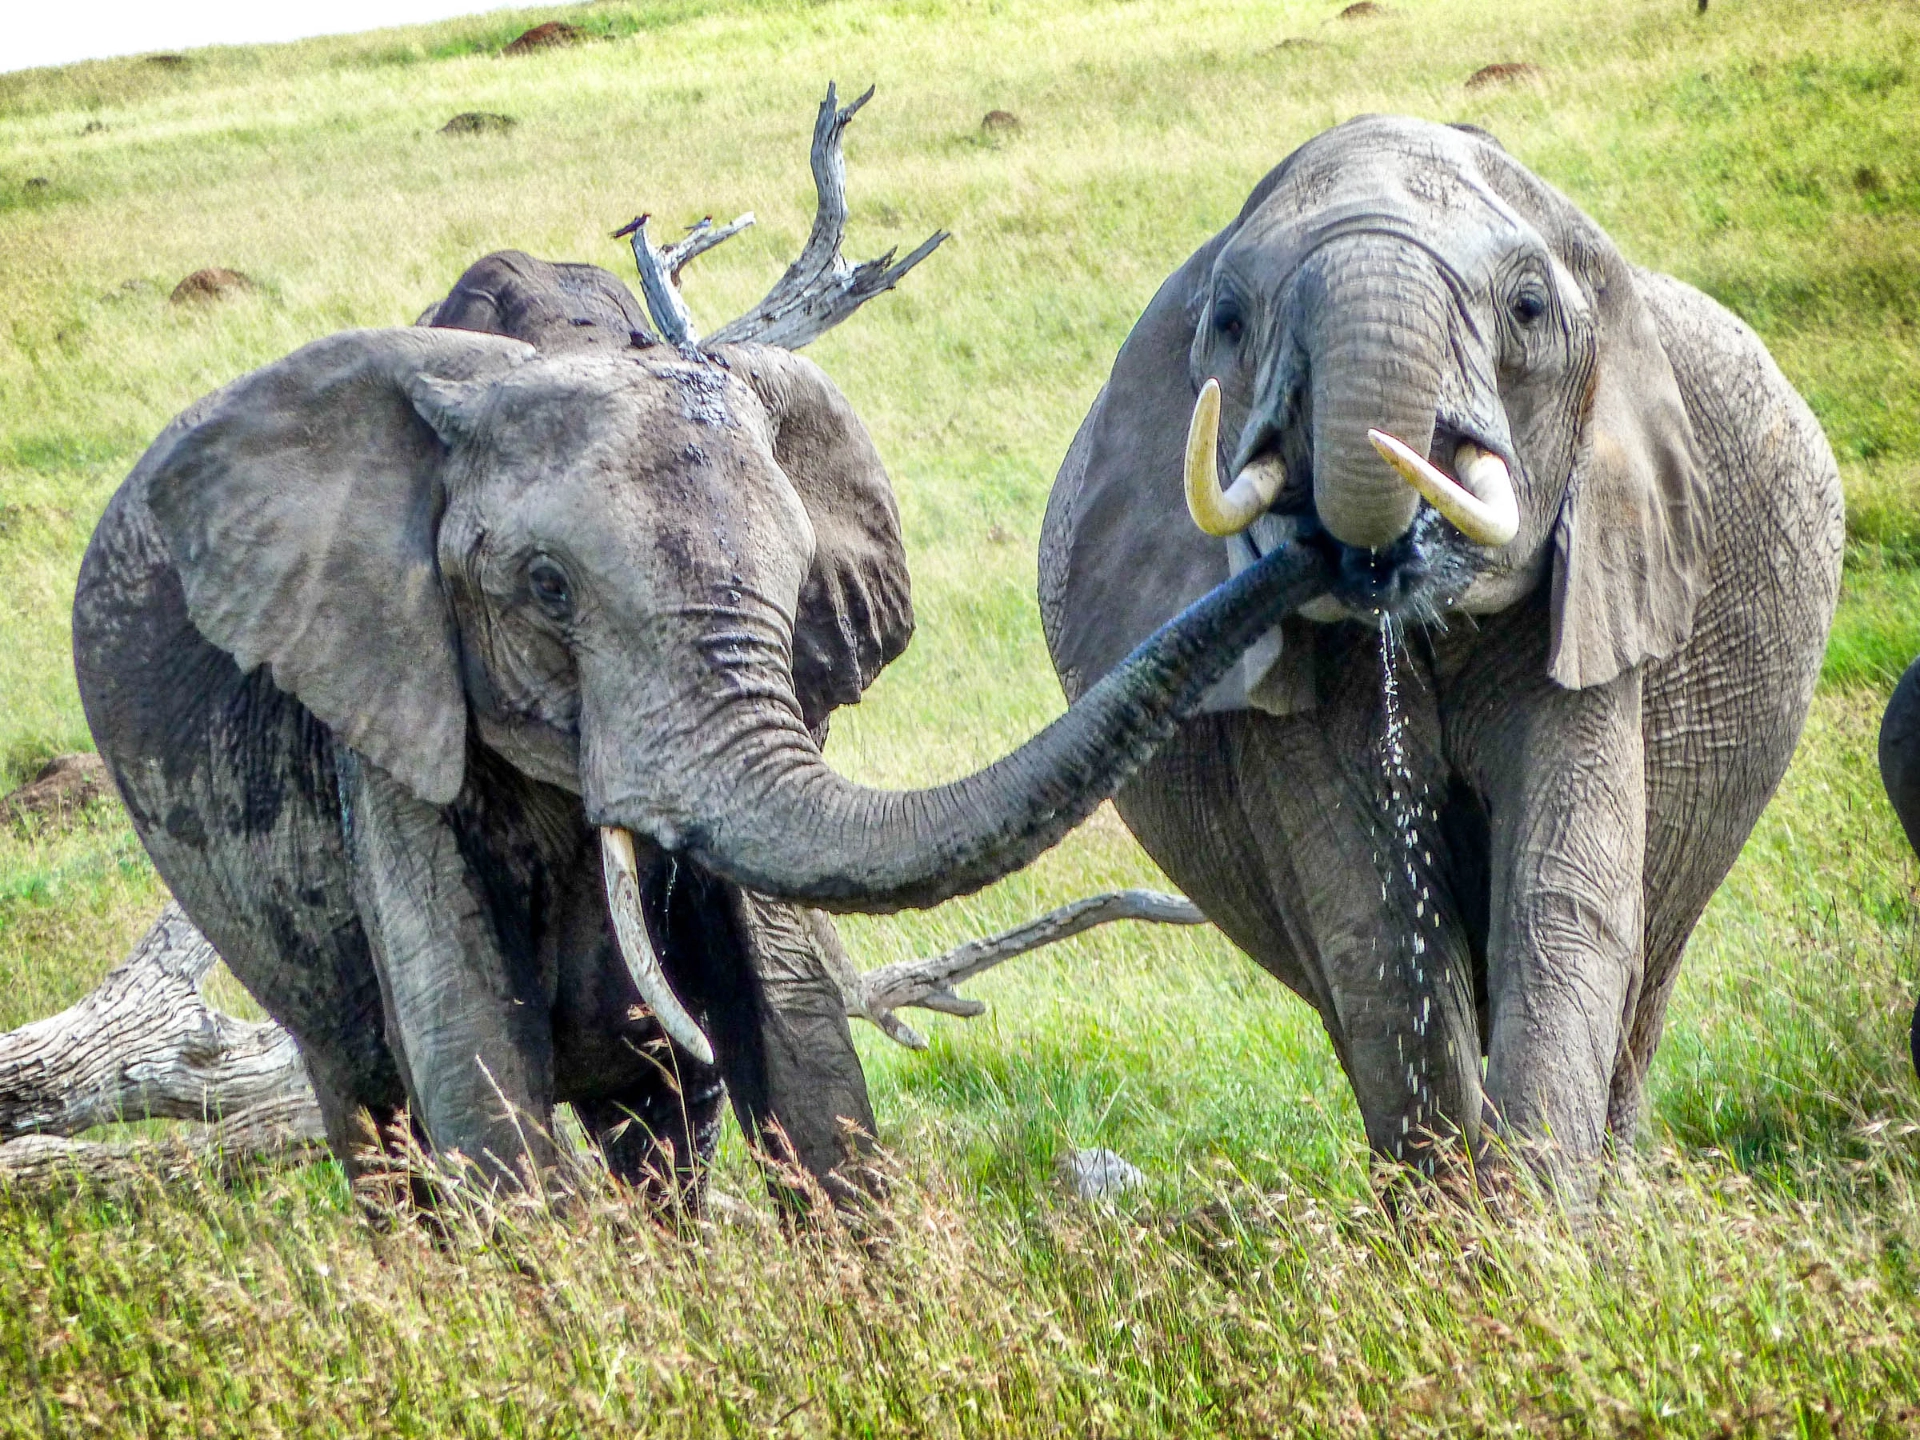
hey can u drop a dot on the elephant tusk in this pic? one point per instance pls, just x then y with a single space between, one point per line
1246 500
630 930
1481 504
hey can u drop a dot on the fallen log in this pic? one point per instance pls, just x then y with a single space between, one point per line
146 1045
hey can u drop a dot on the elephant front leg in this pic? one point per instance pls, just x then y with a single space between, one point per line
1567 801
470 1028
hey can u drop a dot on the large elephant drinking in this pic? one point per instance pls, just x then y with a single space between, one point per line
466 684
1607 534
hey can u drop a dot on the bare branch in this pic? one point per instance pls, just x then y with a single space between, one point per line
820 289
670 314
876 994
701 237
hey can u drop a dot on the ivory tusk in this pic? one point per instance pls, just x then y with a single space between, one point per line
1483 508
1246 500
630 930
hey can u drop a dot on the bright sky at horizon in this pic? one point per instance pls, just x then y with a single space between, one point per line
52 34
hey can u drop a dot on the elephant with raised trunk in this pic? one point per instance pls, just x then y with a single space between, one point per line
1600 536
466 684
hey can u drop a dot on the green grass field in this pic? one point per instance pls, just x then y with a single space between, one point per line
1759 1273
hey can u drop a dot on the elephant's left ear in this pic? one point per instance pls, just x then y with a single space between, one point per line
856 609
1631 543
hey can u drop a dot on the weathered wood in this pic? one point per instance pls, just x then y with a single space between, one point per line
282 1131
818 291
145 1045
929 983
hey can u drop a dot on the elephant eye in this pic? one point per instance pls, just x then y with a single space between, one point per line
1529 305
1227 319
550 588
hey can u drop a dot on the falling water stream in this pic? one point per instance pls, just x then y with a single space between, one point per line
1409 861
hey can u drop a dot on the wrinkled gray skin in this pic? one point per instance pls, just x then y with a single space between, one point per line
1900 772
374 638
1596 713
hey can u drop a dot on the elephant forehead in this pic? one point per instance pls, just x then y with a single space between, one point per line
1383 173
595 409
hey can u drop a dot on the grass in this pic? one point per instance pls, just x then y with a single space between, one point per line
1757 1277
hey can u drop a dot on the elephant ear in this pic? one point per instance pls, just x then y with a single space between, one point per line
1632 540
301 511
856 609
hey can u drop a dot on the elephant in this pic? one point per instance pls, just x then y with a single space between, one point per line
466 683
1899 752
1470 803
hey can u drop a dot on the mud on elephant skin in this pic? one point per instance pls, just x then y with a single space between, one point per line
1608 535
467 688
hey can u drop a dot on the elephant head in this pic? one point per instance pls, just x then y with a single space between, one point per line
1409 350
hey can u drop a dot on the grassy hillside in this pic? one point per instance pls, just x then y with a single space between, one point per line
1761 1281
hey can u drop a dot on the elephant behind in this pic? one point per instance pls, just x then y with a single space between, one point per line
1607 535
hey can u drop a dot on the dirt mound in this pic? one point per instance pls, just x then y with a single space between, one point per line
478 122
64 784
546 37
216 282
1000 123
1507 72
1364 10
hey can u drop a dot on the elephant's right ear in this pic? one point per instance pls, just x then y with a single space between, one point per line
856 606
301 511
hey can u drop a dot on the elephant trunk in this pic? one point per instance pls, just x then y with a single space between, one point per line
756 802
1375 327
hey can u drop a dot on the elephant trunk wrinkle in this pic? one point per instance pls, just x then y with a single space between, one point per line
1375 330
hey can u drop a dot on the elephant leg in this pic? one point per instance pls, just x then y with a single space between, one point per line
652 1109
1280 830
1563 776
470 1029
777 1019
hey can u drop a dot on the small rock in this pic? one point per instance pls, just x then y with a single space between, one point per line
546 37
64 784
478 122
216 282
1507 72
1000 123
1364 10
1099 1174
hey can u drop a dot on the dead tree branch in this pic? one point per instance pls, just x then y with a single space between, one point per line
146 1045
929 983
818 291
